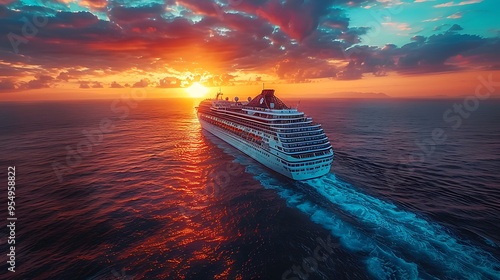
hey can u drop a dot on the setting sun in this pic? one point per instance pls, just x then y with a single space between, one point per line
197 90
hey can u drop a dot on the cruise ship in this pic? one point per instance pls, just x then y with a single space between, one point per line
281 138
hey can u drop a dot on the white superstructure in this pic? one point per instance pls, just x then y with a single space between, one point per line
281 138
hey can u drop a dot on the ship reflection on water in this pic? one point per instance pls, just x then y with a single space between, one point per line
198 212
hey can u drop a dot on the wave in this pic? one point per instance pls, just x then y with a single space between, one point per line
409 236
394 243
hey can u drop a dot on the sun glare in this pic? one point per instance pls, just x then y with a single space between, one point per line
197 90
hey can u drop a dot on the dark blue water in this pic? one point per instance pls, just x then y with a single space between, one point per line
139 191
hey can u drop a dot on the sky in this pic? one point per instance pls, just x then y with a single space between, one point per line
66 49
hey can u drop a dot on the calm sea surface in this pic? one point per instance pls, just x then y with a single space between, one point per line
115 190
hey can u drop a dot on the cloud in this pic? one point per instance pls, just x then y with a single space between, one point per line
298 19
432 19
7 85
115 85
84 85
127 15
142 83
202 7
444 52
290 40
455 27
397 26
90 84
455 15
350 72
390 3
485 56
65 76
169 82
95 5
42 81
255 39
432 56
221 80
352 35
453 4
76 19
6 2
418 39
439 27
303 70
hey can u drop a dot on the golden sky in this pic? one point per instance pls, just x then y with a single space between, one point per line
399 86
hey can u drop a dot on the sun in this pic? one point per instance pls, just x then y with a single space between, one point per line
197 90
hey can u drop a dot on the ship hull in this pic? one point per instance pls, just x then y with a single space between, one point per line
262 156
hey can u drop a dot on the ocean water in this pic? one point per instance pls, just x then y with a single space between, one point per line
136 190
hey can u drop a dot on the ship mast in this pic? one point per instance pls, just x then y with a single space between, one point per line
219 93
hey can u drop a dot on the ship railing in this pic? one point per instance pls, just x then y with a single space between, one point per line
308 149
303 139
291 124
305 143
280 111
313 154
299 130
294 126
271 117
315 161
300 135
